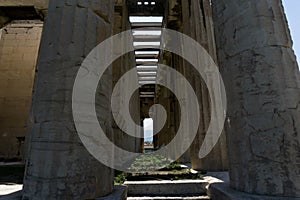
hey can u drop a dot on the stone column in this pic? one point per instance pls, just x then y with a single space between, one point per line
198 24
263 88
120 67
58 165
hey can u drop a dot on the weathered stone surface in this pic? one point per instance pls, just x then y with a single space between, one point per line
58 165
263 89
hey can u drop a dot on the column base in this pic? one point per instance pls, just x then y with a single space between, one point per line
222 191
119 193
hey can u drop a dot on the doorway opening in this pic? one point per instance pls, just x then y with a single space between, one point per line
148 135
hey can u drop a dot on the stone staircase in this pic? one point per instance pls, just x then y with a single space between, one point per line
167 189
169 198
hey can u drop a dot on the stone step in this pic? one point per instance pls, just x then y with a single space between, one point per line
166 188
170 198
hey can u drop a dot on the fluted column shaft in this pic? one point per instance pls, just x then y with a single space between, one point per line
262 82
198 24
58 165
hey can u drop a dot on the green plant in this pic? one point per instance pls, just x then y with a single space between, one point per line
172 166
120 179
148 162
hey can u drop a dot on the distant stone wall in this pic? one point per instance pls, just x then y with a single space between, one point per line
19 46
41 6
